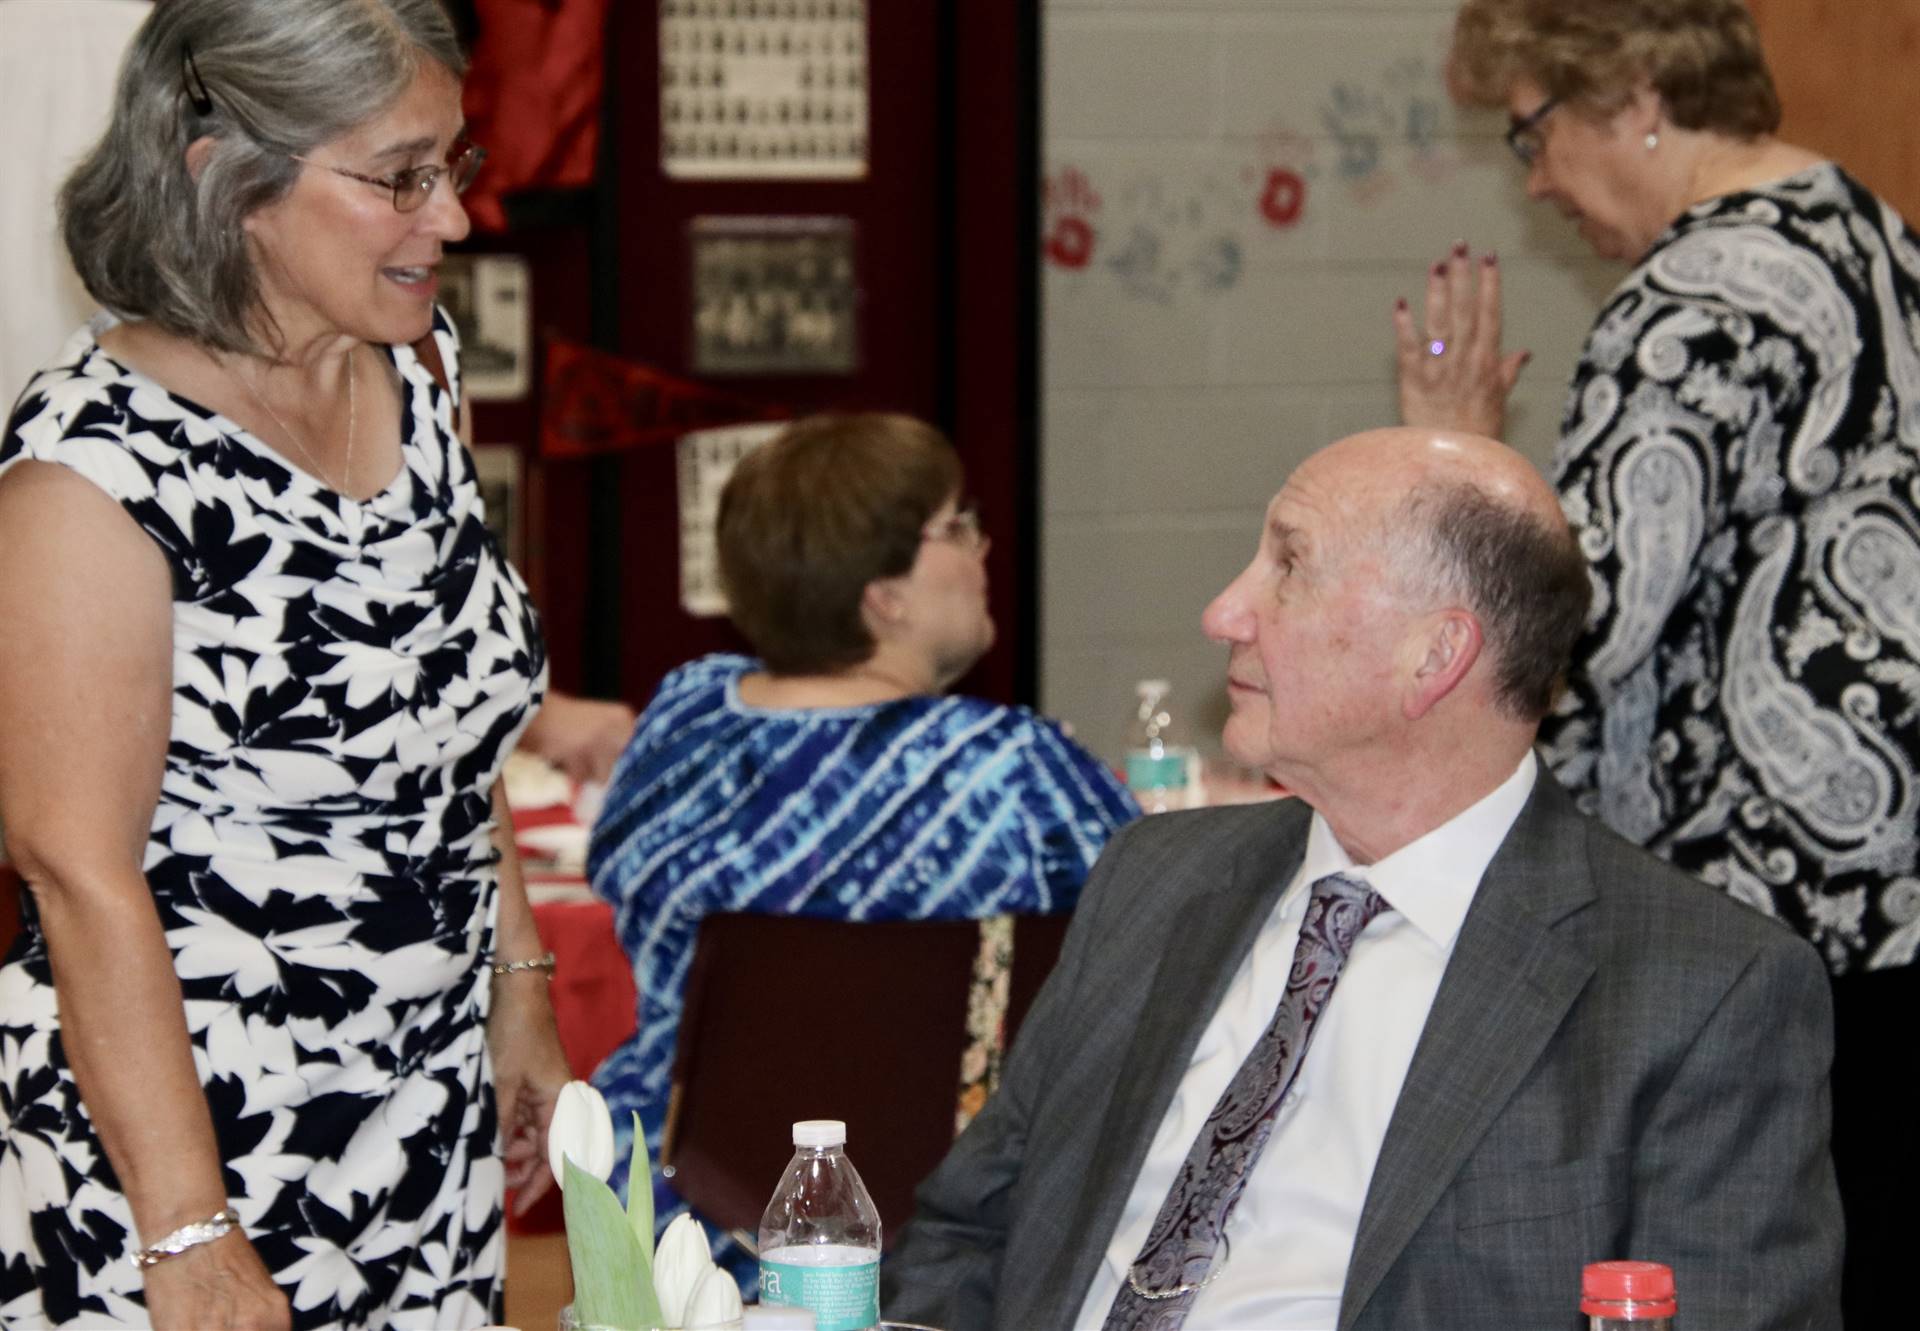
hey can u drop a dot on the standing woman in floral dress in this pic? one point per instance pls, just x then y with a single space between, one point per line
260 667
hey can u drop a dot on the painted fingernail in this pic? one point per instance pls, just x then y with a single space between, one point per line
1400 304
1460 247
1490 259
1440 269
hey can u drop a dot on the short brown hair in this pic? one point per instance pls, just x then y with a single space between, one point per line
811 517
1702 56
1524 579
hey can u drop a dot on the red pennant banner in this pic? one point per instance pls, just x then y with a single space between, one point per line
596 403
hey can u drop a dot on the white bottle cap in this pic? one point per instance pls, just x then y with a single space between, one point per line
820 1132
771 1317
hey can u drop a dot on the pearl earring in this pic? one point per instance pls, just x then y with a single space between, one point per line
1653 141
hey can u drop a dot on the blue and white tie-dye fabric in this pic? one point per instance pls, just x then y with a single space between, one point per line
921 808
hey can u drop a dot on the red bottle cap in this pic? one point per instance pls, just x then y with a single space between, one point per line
1627 1289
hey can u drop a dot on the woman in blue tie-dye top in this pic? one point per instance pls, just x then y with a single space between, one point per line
831 777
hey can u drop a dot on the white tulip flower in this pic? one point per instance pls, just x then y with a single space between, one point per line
715 1301
679 1263
581 1130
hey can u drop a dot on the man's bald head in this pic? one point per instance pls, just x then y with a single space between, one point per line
1387 463
1466 520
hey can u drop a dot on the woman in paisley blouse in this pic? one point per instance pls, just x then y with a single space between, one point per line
260 668
831 777
1740 457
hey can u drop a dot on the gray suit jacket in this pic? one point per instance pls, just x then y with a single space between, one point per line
1620 1062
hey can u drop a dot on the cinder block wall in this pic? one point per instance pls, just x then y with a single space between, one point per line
1236 191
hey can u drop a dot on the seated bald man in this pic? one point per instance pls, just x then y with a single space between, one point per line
1407 1050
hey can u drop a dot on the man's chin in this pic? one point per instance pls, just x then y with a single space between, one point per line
1253 759
1245 755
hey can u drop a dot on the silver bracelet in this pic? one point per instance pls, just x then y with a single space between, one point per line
545 963
217 1226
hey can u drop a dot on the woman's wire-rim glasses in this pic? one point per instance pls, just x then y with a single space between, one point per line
414 186
962 529
411 188
1523 132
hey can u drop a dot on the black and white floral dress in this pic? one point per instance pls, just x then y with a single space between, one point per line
347 679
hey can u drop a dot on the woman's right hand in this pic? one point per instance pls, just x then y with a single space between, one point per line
1452 373
218 1286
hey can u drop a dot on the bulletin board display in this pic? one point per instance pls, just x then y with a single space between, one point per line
705 459
764 89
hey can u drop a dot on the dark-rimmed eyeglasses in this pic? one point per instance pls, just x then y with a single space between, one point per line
414 186
1523 132
962 529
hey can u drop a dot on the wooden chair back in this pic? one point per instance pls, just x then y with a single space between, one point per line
789 1018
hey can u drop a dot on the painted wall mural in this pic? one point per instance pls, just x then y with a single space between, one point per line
1166 232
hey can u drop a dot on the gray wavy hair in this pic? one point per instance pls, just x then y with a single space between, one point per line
283 76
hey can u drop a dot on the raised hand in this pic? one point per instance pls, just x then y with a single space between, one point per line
1452 373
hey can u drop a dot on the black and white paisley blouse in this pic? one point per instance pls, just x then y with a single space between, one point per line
1741 462
347 680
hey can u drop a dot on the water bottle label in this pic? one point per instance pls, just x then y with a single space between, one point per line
1146 772
843 1298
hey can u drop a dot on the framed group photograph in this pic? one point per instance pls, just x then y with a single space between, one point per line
501 473
488 298
774 295
764 89
705 458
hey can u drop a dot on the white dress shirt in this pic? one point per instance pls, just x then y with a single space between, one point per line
1291 1234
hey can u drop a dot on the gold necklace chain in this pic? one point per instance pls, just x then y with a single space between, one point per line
346 482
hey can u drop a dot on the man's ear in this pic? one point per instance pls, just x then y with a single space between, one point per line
199 152
1444 647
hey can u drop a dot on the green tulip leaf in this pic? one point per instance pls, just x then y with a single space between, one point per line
640 1194
612 1280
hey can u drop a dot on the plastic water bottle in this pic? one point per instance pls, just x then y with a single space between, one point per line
1162 772
820 1236
1627 1296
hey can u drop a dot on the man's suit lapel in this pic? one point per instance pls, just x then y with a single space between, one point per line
1196 966
1506 989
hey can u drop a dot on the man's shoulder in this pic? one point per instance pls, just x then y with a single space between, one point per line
1196 842
1652 909
1226 825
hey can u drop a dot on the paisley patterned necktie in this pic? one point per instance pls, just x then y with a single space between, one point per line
1173 1263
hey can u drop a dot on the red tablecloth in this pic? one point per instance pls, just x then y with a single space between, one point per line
593 995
